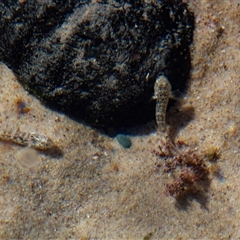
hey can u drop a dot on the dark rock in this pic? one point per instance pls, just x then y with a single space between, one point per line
97 61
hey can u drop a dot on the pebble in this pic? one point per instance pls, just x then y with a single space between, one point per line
124 140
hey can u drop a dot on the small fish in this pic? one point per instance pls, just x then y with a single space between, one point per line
162 93
30 139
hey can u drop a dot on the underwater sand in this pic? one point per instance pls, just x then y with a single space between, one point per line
93 188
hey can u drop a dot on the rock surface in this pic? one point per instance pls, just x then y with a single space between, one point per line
97 61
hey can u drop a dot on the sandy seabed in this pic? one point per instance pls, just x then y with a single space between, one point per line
92 188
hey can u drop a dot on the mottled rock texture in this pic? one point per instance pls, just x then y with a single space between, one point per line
97 60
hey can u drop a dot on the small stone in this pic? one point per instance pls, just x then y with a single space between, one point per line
124 140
